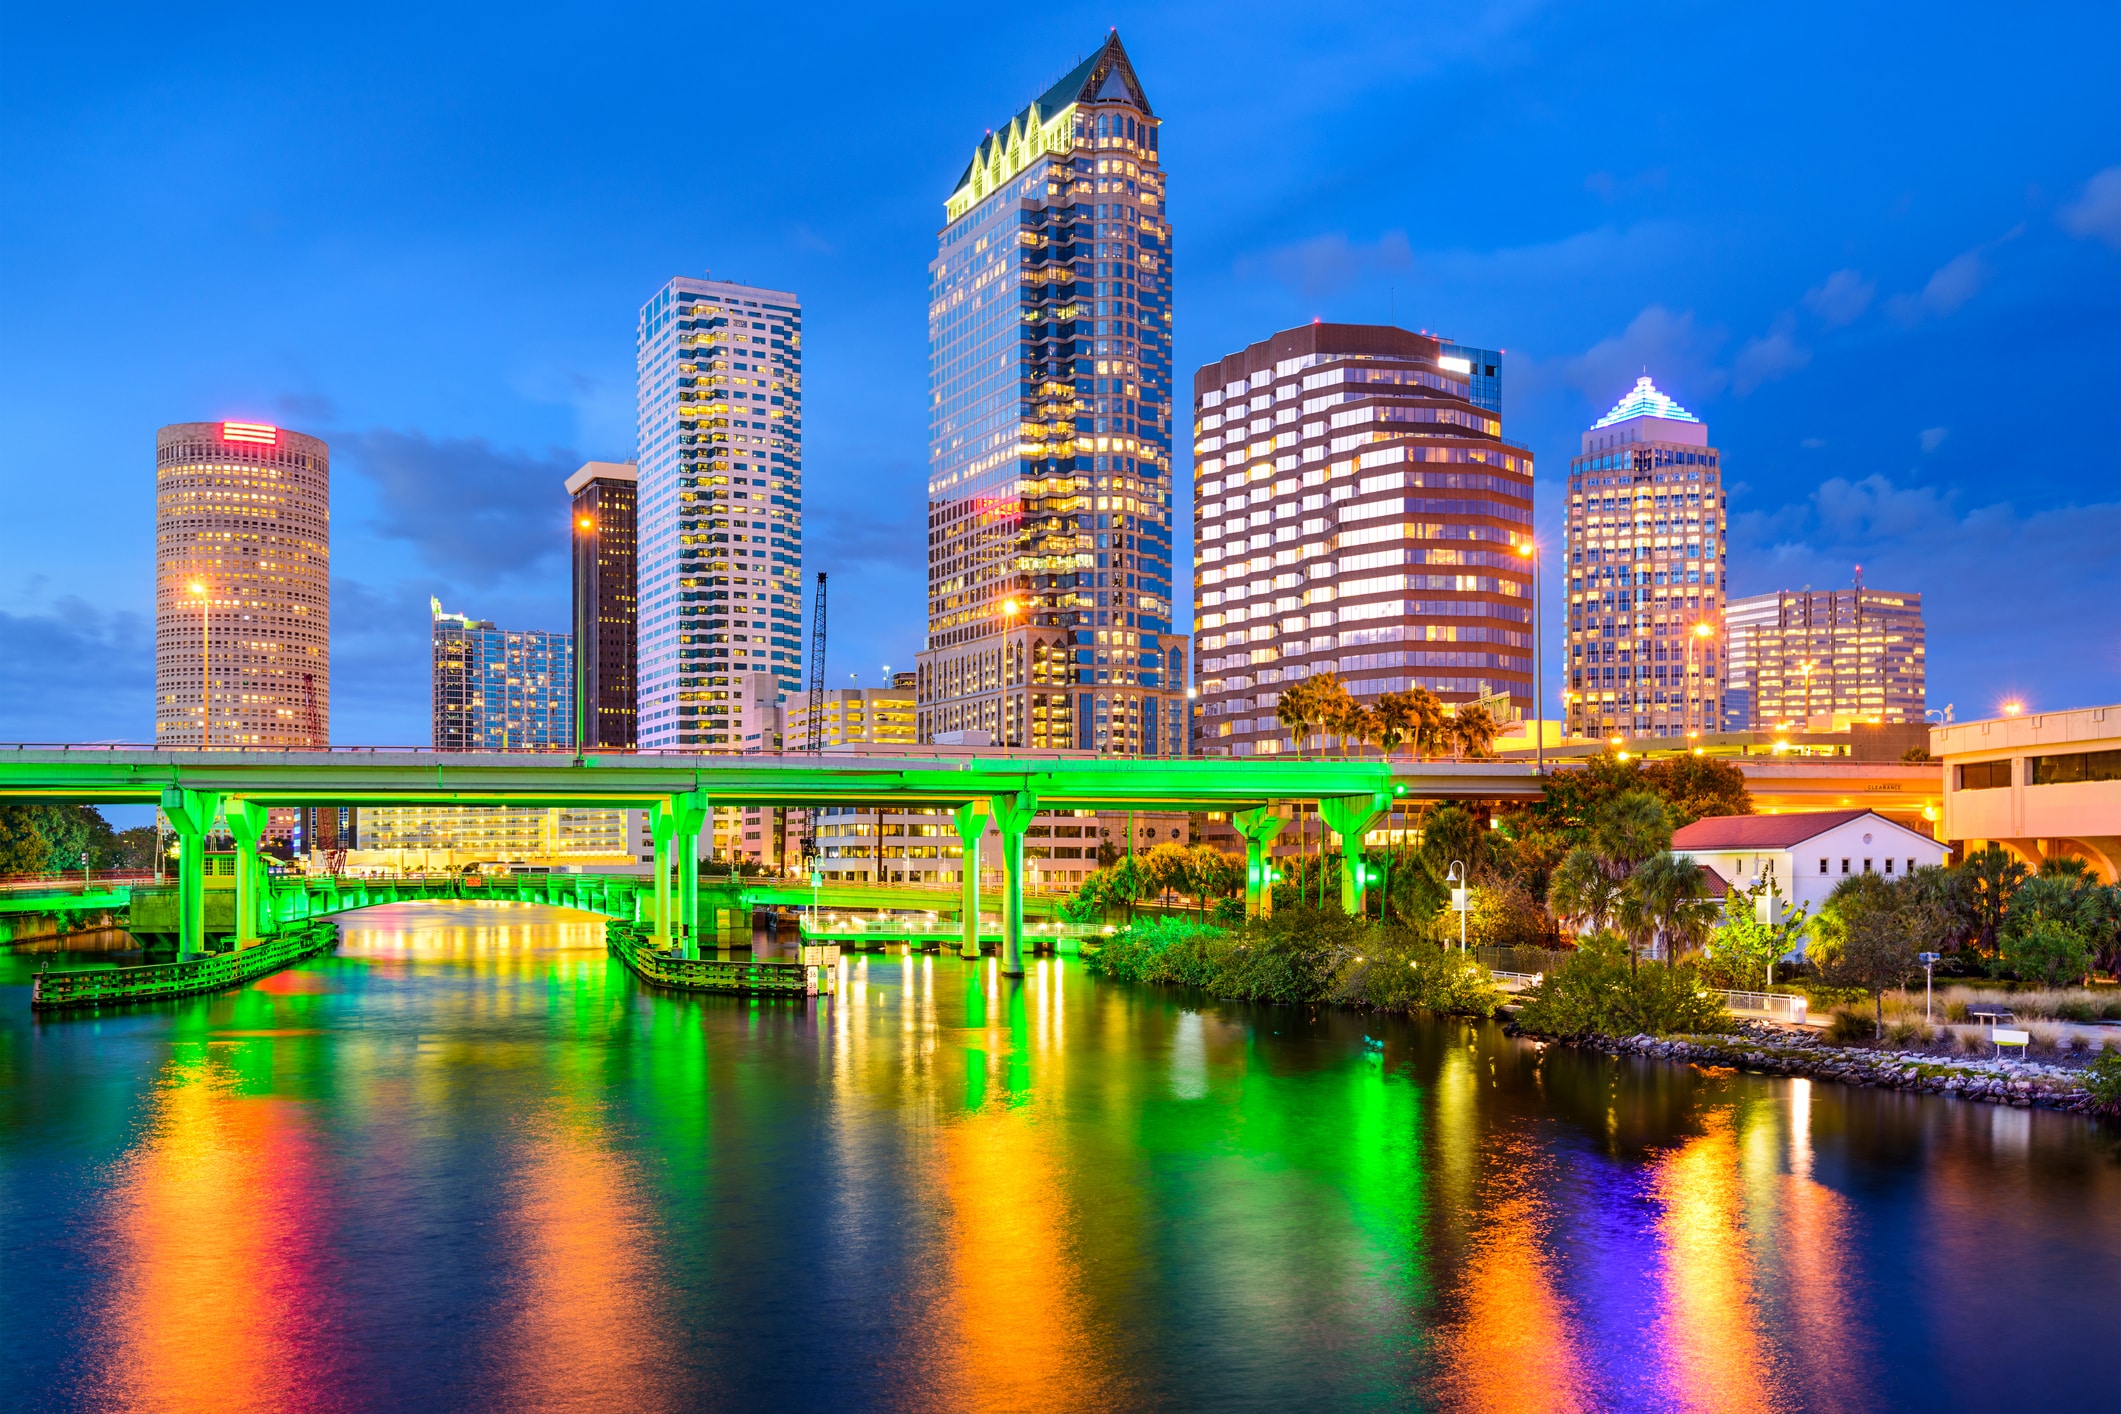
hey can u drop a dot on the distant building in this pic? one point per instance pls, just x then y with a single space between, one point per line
500 689
1824 660
2045 785
1645 573
1049 448
494 690
857 716
605 607
1356 511
720 370
242 587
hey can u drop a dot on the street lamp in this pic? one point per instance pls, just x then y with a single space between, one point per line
1456 878
587 525
1928 961
1530 550
206 662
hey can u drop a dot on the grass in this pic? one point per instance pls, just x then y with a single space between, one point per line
2050 1004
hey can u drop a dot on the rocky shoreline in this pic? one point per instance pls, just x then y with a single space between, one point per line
1769 1050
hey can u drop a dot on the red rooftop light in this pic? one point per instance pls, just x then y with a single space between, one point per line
250 432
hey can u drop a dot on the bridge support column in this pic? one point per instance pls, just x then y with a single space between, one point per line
1012 815
971 822
1350 817
1259 827
662 828
191 814
246 821
692 812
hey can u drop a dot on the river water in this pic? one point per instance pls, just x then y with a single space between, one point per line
468 1163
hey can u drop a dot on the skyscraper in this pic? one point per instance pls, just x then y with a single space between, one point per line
1824 660
1356 511
1645 563
1049 449
604 603
720 370
242 587
500 689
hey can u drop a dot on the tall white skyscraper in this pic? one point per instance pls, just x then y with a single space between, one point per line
720 370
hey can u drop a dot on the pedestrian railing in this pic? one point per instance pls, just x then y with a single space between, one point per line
1517 981
1783 1006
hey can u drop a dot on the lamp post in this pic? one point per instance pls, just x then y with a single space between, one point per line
1530 549
1929 963
1456 878
206 664
1009 612
587 526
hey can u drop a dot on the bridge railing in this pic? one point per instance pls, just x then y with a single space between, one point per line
1783 1006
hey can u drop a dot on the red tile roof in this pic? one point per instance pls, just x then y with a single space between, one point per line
1762 831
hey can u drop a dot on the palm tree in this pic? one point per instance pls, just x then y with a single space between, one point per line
1426 708
1630 828
1473 731
1293 711
1582 892
1395 721
1665 898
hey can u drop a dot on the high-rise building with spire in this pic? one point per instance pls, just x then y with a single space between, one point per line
1646 573
1049 452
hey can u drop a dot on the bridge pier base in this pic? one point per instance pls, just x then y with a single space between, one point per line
1259 827
1012 815
971 822
692 812
246 821
1350 817
191 814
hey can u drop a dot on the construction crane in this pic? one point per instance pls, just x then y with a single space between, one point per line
816 742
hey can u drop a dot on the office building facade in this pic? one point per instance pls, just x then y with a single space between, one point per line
1357 512
1824 661
720 403
1645 573
602 498
500 689
1049 474
242 587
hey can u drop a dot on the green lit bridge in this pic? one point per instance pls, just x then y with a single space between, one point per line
194 788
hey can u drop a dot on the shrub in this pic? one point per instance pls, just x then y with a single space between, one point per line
2104 1079
1907 1033
1301 955
1595 992
1850 1027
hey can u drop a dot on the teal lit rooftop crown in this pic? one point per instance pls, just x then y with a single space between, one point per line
1643 400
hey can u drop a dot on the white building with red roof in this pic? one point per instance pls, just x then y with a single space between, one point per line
1807 854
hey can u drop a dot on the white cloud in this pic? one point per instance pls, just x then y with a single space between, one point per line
1769 357
1669 347
1842 298
1954 283
1933 437
2096 213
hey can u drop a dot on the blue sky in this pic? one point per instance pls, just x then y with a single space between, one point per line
1878 248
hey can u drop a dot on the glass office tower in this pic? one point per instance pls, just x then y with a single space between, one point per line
500 689
720 511
1049 474
603 537
1645 562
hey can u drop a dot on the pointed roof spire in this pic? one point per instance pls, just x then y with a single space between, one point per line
1644 400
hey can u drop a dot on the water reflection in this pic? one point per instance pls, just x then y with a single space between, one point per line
467 1162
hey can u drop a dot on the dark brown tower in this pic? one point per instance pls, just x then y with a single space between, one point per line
602 525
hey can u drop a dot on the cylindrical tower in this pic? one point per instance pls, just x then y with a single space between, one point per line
242 587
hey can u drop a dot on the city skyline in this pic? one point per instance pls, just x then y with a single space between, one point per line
1908 288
